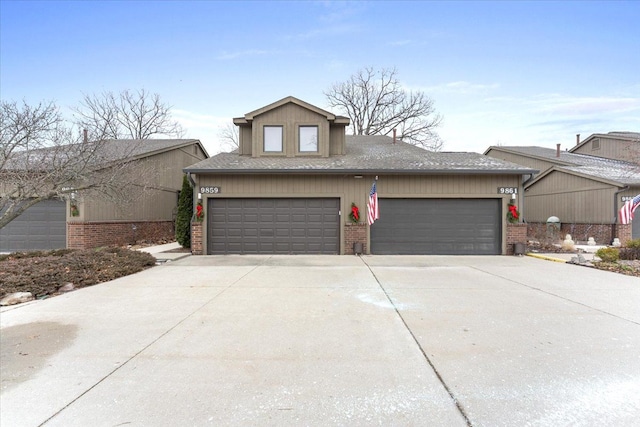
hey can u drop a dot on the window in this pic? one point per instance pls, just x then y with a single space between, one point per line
273 139
595 144
308 139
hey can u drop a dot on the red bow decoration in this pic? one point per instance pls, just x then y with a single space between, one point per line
199 212
354 216
513 209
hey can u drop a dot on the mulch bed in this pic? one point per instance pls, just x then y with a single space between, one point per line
43 273
629 268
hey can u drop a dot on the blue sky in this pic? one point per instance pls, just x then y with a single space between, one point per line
509 73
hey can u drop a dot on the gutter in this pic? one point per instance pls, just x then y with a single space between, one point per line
615 203
364 171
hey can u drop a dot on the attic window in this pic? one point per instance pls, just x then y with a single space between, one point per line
273 139
595 144
308 139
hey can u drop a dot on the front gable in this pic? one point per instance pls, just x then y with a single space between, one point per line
291 128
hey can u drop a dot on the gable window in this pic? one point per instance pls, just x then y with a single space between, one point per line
273 139
595 145
308 139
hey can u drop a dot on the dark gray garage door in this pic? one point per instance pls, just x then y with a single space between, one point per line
42 226
635 225
437 227
273 226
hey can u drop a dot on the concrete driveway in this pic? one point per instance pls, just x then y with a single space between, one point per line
330 340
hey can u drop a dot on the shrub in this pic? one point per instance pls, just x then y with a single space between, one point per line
630 253
635 243
608 254
185 212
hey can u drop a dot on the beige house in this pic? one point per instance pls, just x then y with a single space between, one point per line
292 183
584 187
87 222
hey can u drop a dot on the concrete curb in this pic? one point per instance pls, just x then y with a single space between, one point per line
545 257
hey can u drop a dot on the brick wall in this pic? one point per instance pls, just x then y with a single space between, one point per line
85 235
196 238
516 233
623 232
602 233
354 233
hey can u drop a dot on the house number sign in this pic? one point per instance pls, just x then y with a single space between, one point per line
210 190
626 198
507 190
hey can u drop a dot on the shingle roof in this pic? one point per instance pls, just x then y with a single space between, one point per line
626 173
98 154
364 154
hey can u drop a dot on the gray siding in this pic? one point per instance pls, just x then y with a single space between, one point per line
158 202
611 148
571 198
290 117
356 190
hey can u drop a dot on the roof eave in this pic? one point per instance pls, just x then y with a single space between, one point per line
363 171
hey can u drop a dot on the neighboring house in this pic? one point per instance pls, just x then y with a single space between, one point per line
88 222
613 145
584 191
290 186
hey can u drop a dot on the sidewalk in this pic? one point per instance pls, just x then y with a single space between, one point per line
161 255
587 252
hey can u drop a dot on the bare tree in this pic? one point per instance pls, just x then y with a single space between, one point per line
133 115
230 137
376 103
42 158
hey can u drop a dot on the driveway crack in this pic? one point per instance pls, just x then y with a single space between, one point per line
424 353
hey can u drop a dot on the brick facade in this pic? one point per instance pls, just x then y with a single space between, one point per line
355 233
516 233
86 235
196 238
602 233
623 232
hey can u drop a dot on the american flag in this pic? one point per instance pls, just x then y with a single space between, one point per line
626 213
373 212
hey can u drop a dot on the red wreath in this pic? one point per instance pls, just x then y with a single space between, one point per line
513 213
355 213
199 212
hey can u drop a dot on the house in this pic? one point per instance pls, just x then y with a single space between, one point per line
585 191
93 221
290 186
613 145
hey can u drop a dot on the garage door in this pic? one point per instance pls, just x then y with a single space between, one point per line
437 227
42 226
635 227
273 226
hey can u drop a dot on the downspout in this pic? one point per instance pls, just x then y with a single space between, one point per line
191 181
522 198
615 210
615 203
